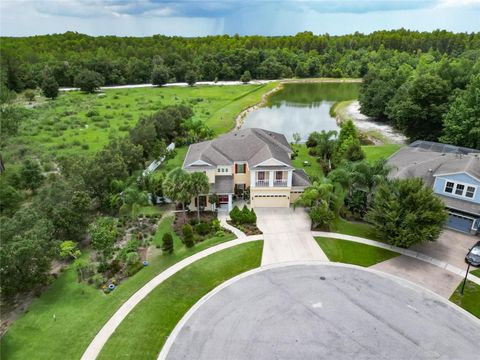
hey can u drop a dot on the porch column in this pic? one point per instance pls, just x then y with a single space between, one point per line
270 178
289 178
229 202
252 178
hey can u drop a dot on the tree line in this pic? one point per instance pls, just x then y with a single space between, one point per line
131 60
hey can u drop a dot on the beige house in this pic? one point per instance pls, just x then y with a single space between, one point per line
250 164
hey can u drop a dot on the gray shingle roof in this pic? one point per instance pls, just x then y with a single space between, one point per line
459 204
300 178
223 185
413 161
251 145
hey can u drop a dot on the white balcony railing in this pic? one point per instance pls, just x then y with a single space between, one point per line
261 183
280 183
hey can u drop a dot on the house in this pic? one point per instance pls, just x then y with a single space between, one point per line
454 174
252 164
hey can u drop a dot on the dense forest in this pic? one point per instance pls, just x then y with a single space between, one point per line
130 60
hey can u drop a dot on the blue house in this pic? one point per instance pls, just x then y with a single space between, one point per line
454 174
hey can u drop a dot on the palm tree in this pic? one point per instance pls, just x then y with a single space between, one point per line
326 145
176 187
199 185
132 199
318 192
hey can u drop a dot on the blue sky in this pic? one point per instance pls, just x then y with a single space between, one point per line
245 17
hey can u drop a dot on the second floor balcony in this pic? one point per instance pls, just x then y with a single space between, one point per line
262 183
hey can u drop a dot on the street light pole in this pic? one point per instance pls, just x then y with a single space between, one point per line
465 279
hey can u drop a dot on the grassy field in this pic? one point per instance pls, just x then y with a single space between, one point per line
142 334
314 169
83 123
470 300
359 229
80 310
165 226
353 253
376 152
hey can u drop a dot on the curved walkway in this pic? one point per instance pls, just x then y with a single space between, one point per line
407 252
108 329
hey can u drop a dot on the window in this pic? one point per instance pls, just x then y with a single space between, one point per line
279 175
470 192
261 175
240 168
459 189
449 187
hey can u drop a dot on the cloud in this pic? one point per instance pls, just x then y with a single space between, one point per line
458 3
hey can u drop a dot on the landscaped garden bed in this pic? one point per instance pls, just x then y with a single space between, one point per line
245 220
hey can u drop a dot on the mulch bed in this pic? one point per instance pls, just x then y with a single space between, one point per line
205 216
248 229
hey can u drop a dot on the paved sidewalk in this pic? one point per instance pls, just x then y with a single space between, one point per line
287 236
407 252
107 330
223 216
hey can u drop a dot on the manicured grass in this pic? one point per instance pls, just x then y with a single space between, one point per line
176 161
80 311
353 253
82 123
313 170
142 334
165 226
376 152
359 229
470 300
476 272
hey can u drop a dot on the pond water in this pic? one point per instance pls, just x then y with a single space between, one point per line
301 108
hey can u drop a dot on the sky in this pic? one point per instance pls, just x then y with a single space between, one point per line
244 17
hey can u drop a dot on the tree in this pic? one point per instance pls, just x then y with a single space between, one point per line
10 198
406 213
322 191
103 233
49 85
89 81
132 200
69 250
176 187
160 75
246 77
26 252
199 185
461 124
191 77
296 138
31 175
187 231
321 215
167 243
348 143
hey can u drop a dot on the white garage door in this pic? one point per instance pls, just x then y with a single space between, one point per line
271 201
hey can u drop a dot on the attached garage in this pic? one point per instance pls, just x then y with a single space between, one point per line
459 222
271 200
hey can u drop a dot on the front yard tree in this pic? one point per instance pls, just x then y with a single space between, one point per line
103 233
199 185
160 75
406 213
176 187
88 81
31 175
191 77
167 243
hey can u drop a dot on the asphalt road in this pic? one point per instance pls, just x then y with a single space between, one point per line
323 311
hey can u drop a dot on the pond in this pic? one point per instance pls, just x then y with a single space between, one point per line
301 108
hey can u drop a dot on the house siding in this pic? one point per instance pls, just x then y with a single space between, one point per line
440 181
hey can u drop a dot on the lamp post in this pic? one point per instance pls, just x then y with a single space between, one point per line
465 279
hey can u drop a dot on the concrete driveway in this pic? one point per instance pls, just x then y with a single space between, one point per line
322 311
287 236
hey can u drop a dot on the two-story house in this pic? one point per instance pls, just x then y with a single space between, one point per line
454 174
248 161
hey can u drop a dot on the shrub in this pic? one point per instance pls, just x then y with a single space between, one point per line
103 267
236 215
132 269
115 266
216 225
188 235
220 233
29 95
202 228
91 113
97 280
167 243
132 258
84 269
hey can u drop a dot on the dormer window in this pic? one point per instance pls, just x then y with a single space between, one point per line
462 190
470 192
459 189
449 187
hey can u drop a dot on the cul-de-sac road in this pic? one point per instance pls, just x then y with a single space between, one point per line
316 310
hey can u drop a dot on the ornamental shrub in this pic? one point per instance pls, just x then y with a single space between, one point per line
236 215
188 235
202 228
167 243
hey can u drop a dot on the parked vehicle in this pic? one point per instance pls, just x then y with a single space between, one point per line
473 256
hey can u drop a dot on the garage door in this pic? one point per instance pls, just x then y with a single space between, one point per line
271 201
460 223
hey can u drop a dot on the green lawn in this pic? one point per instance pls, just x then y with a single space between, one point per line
353 253
476 272
470 300
376 152
82 123
80 310
165 226
359 229
142 334
314 169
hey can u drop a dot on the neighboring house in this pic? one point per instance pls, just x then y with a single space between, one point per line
454 174
249 162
